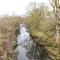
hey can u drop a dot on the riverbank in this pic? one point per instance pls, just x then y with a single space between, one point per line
8 33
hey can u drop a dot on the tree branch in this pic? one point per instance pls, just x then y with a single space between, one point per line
52 4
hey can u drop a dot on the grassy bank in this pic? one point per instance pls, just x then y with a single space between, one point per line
8 33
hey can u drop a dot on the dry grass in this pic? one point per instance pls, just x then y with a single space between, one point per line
8 27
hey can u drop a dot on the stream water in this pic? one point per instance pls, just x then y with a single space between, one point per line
23 44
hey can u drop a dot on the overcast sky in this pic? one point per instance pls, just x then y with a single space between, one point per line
16 6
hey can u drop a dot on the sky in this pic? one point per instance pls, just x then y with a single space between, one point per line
17 7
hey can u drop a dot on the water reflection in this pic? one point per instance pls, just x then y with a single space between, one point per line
23 43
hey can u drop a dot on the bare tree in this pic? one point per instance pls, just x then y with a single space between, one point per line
55 5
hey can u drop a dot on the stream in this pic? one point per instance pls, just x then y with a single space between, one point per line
23 43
